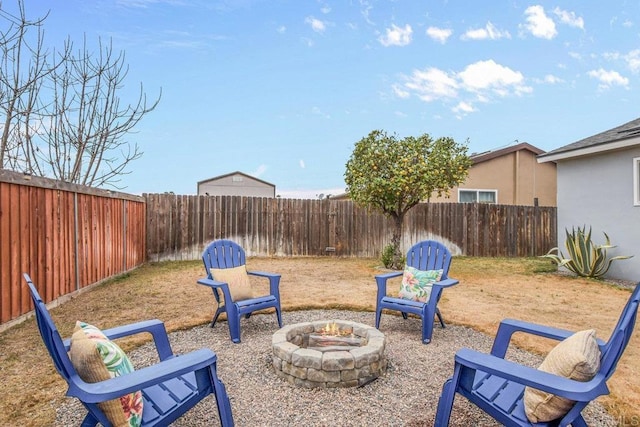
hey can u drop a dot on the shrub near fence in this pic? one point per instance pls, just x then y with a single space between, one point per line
179 227
65 236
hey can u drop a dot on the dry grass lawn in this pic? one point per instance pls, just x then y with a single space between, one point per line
489 290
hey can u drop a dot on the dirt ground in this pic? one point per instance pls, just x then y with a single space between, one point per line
490 290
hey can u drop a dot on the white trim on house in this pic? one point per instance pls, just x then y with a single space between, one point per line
636 181
594 149
478 191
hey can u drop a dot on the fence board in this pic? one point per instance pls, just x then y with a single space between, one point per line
295 227
65 236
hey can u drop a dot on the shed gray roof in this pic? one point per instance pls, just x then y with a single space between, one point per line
598 142
236 173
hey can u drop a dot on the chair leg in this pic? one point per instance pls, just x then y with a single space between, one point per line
215 316
579 422
439 317
404 315
89 421
234 328
445 403
222 401
378 315
427 327
279 316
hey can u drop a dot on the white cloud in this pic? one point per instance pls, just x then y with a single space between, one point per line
325 9
488 75
400 92
302 165
318 112
366 8
569 18
316 25
432 84
488 32
463 108
483 79
539 24
439 34
551 79
258 172
633 60
397 36
400 114
608 79
281 29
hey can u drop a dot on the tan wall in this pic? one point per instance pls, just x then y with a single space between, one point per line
517 177
241 186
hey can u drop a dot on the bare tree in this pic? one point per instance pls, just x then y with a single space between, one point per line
23 67
86 138
64 117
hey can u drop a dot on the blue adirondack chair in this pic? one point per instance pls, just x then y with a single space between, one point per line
169 388
497 385
425 255
228 254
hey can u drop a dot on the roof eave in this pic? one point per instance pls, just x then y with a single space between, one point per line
594 149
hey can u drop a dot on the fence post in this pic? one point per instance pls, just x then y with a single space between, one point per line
76 259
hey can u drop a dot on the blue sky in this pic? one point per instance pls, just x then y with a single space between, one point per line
282 90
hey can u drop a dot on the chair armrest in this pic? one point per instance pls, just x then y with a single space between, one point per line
223 286
141 378
274 281
445 283
381 282
263 274
510 326
155 327
386 276
561 386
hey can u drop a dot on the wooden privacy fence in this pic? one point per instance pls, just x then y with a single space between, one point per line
64 236
179 227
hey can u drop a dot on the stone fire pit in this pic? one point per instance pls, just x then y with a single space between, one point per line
305 356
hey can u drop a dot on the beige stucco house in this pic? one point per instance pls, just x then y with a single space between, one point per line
508 176
236 184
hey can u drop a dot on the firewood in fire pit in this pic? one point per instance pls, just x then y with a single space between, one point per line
318 340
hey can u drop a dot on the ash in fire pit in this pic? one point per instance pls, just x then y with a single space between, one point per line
329 354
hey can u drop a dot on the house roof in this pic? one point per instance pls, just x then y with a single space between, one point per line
488 155
623 136
236 173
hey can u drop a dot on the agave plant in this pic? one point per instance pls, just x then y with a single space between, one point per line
585 259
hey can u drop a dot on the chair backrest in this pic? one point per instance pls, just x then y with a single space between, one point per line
50 335
223 254
615 346
430 255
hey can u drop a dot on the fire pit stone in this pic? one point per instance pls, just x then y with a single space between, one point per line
349 356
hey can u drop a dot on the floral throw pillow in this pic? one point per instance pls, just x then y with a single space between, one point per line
416 284
96 358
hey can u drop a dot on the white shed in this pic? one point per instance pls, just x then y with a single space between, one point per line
236 184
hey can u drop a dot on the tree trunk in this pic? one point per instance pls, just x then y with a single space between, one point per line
398 262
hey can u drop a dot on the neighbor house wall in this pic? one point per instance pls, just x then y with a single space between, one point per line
236 185
597 191
518 178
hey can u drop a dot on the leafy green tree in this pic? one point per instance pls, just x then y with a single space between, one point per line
392 175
